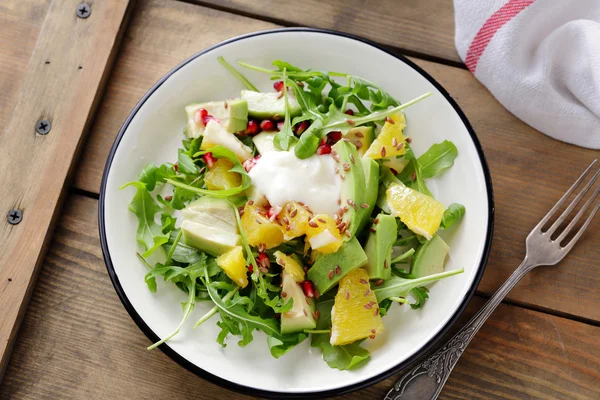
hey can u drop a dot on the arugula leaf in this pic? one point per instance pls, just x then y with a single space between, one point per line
309 141
346 357
168 223
285 138
399 287
420 294
185 163
144 207
452 215
284 343
437 159
148 176
237 74
413 169
158 242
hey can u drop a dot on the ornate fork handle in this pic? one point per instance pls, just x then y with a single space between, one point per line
427 379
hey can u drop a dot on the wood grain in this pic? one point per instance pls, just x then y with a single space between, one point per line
529 170
63 83
424 26
77 341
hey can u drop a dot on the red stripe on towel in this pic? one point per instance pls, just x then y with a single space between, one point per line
489 29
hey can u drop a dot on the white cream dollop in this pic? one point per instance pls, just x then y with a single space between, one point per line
283 177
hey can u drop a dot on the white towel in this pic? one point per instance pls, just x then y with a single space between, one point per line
540 59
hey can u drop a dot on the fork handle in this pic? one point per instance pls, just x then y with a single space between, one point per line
426 380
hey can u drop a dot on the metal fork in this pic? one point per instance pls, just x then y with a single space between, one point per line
427 379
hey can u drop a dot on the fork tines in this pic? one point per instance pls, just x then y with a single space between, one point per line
570 208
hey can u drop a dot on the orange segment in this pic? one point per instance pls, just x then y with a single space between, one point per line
219 177
259 229
323 235
290 265
422 214
390 142
294 218
355 313
234 265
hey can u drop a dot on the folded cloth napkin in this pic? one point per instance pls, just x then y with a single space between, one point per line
540 59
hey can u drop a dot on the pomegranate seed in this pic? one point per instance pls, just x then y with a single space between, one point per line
333 137
323 141
349 112
250 268
250 163
273 212
199 116
267 125
263 259
252 128
323 149
278 85
209 159
207 118
280 125
176 167
308 288
301 127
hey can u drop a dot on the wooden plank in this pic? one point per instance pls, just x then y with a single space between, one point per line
62 84
424 26
77 341
530 171
20 23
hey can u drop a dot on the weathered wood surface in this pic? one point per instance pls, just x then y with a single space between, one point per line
78 342
424 26
529 170
62 83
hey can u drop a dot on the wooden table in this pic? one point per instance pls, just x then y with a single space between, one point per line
77 341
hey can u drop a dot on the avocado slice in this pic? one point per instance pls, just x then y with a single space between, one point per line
213 212
323 272
430 258
353 185
268 105
300 317
215 135
361 137
208 238
233 115
379 247
371 170
264 142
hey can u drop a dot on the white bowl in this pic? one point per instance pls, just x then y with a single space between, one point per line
152 133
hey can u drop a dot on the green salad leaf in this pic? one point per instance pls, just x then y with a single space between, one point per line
437 159
452 215
400 287
285 138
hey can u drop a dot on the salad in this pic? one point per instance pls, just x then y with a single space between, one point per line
301 212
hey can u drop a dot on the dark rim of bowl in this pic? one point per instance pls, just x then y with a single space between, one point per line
266 393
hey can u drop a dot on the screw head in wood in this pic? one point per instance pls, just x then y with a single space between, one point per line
14 216
43 126
83 10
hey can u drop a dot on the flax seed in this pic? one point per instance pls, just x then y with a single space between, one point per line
347 295
202 170
321 220
293 213
376 312
383 151
413 177
287 208
408 140
389 120
350 202
345 208
346 167
241 213
250 202
386 265
376 221
262 247
330 274
336 158
337 170
317 295
352 159
363 281
372 229
342 176
364 205
350 122
316 314
394 142
358 143
301 203
355 206
359 135
347 233
258 221
378 282
305 312
286 220
400 146
338 270
368 292
368 306
283 294
339 202
346 140
292 226
313 224
307 301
